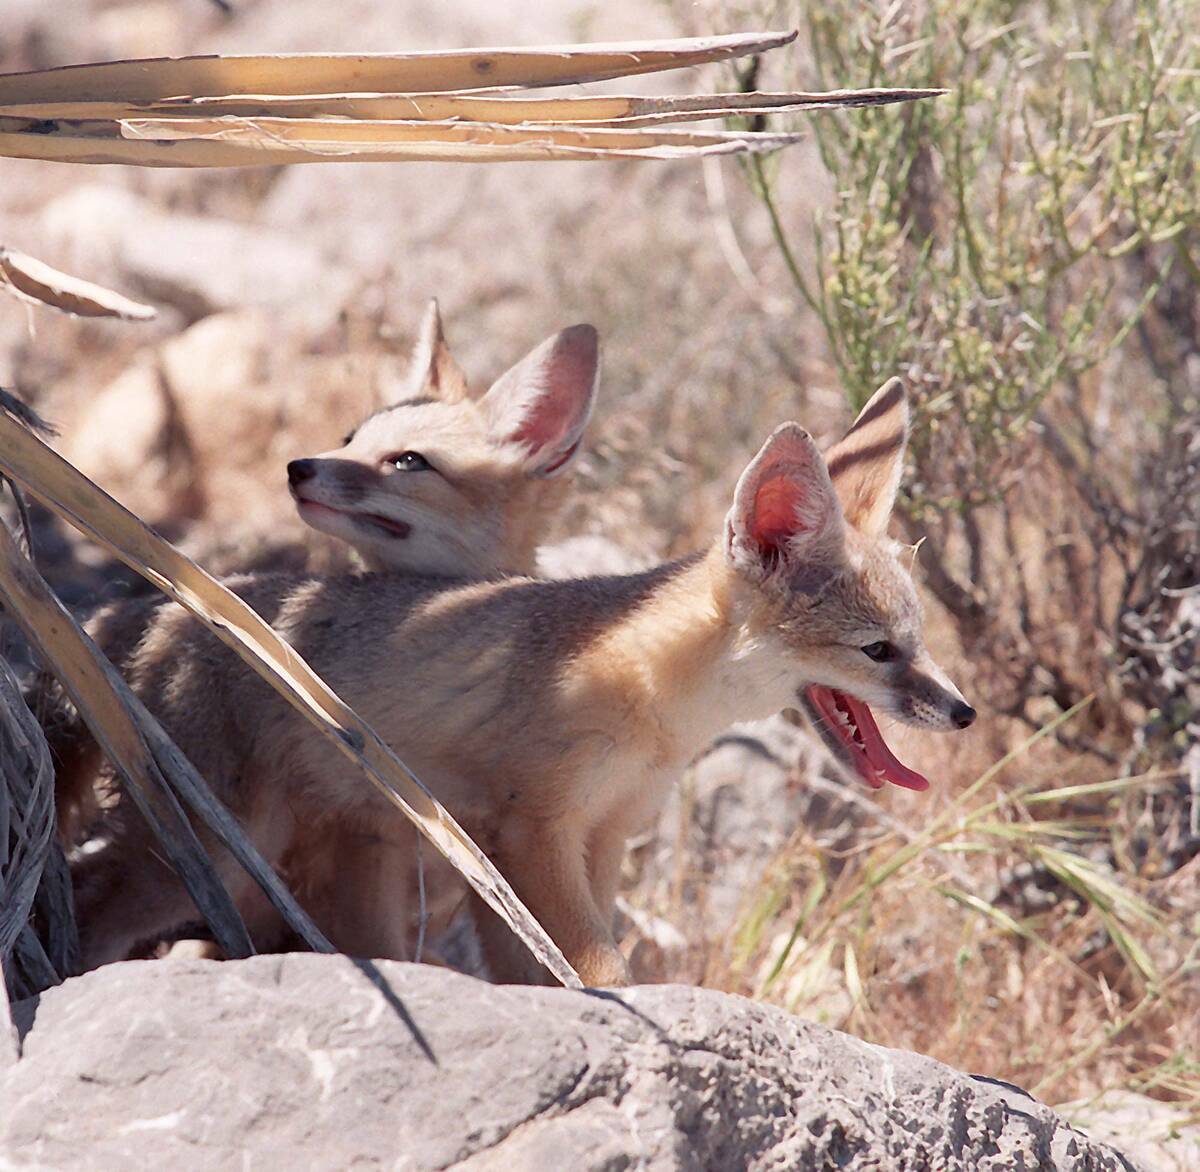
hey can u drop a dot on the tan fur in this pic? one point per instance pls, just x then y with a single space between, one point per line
481 509
482 505
869 460
550 717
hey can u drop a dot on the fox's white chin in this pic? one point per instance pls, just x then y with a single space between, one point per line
352 527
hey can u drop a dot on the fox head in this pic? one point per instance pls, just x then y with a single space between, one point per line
828 590
450 481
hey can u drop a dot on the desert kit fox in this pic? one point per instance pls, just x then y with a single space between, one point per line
550 717
448 479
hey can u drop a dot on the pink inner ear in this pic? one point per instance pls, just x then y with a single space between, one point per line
562 399
550 417
777 512
544 401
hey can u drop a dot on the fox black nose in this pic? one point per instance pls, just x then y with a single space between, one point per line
301 470
962 714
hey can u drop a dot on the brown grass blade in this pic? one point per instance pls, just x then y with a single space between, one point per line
34 880
501 109
66 644
174 767
73 496
44 621
373 73
34 281
29 970
10 1049
54 910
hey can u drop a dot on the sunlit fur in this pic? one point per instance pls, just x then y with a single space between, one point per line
481 511
483 504
870 599
550 717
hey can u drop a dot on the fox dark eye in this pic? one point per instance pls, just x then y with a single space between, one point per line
408 462
881 652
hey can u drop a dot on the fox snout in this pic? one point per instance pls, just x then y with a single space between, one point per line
918 694
925 696
343 482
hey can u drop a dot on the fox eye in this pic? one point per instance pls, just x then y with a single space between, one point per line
347 438
881 652
408 462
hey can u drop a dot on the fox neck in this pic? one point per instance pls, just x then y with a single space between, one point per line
467 563
689 662
530 509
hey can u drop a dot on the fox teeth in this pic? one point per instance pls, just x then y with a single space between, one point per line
850 726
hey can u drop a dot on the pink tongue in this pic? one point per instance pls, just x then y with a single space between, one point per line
878 754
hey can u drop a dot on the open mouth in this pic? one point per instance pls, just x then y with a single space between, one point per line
848 728
388 525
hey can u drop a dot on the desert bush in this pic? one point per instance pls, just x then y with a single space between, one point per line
1017 250
1023 251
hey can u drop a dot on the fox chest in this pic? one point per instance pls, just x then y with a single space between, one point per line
625 790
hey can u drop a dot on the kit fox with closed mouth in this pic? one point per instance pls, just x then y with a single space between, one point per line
450 479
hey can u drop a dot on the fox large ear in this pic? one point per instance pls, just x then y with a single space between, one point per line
432 371
866 464
785 512
545 401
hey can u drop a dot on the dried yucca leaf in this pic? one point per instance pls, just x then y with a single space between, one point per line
34 281
65 489
502 109
451 106
372 73
353 134
31 604
26 808
258 142
138 746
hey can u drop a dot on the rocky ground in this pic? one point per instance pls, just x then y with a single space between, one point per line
324 1062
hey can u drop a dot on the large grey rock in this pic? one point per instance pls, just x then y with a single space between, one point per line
302 1061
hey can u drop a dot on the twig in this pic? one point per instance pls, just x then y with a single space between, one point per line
767 194
87 675
727 240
